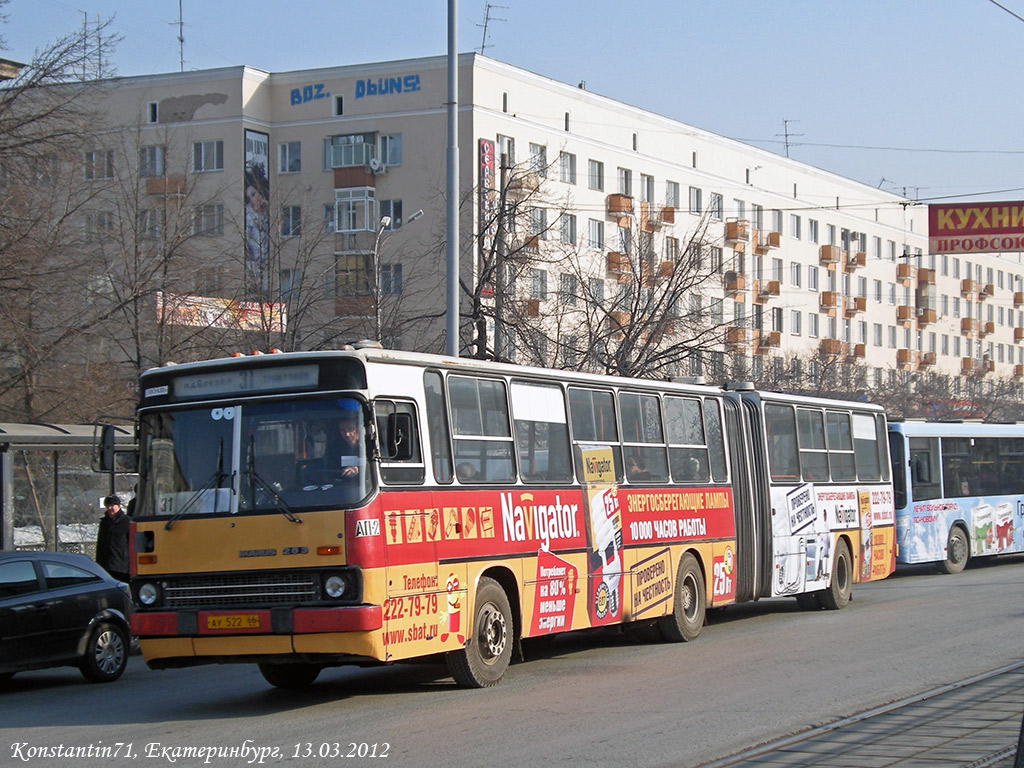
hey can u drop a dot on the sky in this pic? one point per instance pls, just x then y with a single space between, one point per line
916 97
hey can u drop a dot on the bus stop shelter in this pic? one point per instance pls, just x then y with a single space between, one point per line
45 445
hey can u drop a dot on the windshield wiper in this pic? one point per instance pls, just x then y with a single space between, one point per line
254 479
212 484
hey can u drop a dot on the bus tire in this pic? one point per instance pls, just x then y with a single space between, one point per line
957 551
290 675
688 605
837 595
487 654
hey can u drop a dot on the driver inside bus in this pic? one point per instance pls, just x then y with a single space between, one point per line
349 451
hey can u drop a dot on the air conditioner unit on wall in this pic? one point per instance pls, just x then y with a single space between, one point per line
377 166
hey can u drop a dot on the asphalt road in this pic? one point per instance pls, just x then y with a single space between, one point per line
758 672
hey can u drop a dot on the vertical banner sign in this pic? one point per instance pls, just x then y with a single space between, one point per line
257 214
488 196
556 595
604 536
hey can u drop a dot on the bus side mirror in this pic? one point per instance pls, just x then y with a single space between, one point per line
398 437
103 456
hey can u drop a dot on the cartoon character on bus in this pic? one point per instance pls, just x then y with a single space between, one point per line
454 610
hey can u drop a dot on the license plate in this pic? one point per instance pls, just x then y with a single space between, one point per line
234 621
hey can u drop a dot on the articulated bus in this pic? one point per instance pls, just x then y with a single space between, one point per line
304 510
959 490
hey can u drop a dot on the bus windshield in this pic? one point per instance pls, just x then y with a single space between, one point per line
286 455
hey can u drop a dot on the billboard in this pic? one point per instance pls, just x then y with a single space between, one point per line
208 312
257 214
976 227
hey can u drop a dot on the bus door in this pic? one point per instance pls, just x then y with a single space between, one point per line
751 506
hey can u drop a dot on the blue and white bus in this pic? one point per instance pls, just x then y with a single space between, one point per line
959 490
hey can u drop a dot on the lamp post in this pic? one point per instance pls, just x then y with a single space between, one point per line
383 226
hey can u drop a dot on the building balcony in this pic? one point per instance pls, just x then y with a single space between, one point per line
736 337
737 230
1018 371
734 282
857 351
986 290
831 346
968 325
766 241
828 254
967 287
524 184
927 360
619 206
966 365
766 288
925 276
1018 334
668 215
984 329
855 305
1018 298
161 186
618 264
904 272
771 339
904 314
925 316
904 357
828 300
531 307
618 322
856 260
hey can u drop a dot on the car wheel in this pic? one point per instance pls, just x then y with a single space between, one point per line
106 654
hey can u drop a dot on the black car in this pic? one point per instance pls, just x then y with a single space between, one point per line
59 610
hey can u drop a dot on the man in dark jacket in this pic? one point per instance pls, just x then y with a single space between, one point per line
112 539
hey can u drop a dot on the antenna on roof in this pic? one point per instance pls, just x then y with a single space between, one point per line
487 20
181 36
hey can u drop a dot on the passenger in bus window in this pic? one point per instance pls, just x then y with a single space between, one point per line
350 458
466 473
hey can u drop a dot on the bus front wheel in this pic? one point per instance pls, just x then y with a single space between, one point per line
290 675
837 595
689 604
956 551
483 661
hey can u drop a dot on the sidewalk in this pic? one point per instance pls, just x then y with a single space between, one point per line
974 723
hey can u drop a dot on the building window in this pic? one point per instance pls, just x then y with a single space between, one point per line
672 249
99 225
777 221
289 157
569 229
794 274
339 105
99 164
208 156
390 279
812 278
625 182
351 274
830 234
390 153
151 161
393 210
538 284
695 201
153 112
672 194
538 223
812 230
151 224
355 210
209 220
567 289
794 322
646 188
291 221
595 234
794 226
715 206
595 169
349 151
567 167
812 325
595 288
539 159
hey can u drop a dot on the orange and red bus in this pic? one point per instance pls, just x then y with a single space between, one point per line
315 509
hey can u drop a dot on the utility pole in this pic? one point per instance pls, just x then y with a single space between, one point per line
452 224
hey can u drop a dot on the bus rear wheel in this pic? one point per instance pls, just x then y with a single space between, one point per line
689 605
957 551
290 675
837 595
483 661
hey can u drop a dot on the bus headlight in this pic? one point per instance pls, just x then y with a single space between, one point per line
148 593
335 586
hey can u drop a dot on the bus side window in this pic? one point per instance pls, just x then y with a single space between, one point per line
924 481
592 416
399 442
684 427
482 435
437 427
643 439
542 432
813 458
780 429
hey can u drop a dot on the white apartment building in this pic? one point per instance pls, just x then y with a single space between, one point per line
811 264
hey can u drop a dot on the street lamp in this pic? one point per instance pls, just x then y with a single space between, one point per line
383 226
